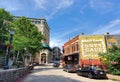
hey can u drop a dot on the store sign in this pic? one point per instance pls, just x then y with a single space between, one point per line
91 46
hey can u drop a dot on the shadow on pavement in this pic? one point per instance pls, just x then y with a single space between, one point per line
45 69
49 78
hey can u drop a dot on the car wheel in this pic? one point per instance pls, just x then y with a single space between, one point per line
64 70
67 71
78 73
90 76
106 77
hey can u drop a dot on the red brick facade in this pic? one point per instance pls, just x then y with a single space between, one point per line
71 46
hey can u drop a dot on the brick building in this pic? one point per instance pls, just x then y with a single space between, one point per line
85 49
71 51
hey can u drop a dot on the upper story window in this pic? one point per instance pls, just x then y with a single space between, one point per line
77 48
73 48
32 21
44 22
36 21
39 22
68 50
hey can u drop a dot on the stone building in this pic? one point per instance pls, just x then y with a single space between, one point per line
44 55
56 53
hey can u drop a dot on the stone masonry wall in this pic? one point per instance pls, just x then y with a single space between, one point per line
12 75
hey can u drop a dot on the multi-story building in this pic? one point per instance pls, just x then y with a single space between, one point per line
71 51
85 49
44 55
112 40
57 55
90 47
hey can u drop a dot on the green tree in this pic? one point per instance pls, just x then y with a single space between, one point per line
5 24
26 36
112 59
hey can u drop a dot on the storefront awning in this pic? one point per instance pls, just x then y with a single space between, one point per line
46 46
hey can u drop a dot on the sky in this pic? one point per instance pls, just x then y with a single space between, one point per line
68 18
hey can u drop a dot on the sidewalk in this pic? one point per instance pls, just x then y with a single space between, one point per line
113 77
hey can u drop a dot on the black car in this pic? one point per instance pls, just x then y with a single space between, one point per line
70 68
92 72
56 64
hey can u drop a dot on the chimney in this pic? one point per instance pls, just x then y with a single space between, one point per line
107 33
82 33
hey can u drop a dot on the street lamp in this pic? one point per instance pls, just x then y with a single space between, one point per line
9 49
27 57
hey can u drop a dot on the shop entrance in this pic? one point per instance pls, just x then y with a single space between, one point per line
43 58
71 60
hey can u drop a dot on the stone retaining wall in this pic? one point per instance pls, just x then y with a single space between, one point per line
12 75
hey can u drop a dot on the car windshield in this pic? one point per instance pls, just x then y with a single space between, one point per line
69 66
96 68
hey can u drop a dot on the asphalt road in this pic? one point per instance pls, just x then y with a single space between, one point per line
49 74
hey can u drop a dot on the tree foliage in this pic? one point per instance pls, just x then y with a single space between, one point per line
26 35
5 24
112 59
114 54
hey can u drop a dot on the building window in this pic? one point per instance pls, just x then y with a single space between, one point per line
39 22
44 22
35 22
73 47
77 46
32 21
68 50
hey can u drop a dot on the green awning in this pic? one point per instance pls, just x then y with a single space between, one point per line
46 46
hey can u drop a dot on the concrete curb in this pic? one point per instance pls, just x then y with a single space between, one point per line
113 77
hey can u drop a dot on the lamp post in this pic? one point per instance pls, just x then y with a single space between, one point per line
9 49
27 58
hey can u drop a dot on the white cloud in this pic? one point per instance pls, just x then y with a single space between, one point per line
82 9
63 37
10 6
56 43
113 27
52 7
47 8
40 4
69 32
115 32
64 4
102 6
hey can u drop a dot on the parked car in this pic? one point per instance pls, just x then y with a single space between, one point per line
56 64
70 68
92 72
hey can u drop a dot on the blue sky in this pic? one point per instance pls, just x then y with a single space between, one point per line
68 18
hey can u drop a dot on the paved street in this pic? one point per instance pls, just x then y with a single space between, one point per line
50 74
